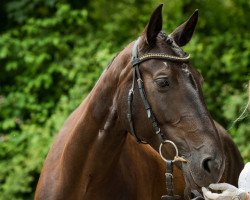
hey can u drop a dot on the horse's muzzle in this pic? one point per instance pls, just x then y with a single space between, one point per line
204 169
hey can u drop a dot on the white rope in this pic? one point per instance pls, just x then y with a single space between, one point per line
244 113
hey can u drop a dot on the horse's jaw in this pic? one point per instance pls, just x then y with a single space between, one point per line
190 184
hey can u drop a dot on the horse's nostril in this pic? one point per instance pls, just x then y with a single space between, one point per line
207 164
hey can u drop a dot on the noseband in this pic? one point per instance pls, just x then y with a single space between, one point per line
136 60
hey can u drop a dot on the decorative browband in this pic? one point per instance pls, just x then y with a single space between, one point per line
159 56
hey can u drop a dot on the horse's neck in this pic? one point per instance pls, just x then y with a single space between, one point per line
92 138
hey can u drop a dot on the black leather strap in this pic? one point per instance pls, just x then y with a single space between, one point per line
169 177
169 183
137 77
131 95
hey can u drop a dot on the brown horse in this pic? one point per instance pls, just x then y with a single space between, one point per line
94 156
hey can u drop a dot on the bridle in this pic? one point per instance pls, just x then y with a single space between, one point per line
136 60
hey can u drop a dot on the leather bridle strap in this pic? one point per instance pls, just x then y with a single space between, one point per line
136 60
169 183
150 115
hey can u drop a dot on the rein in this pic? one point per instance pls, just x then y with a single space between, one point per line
136 60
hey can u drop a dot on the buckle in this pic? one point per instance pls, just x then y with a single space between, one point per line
135 61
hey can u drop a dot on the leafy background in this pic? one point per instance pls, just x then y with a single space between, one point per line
53 51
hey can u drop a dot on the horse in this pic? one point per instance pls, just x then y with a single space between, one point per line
149 93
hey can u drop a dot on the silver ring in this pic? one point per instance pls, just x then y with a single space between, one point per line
164 142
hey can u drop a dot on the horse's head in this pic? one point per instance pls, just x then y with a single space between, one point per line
173 90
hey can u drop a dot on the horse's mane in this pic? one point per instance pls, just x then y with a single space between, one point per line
110 62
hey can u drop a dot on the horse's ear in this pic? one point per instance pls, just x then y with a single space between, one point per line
154 26
183 34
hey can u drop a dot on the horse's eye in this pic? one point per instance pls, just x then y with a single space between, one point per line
162 82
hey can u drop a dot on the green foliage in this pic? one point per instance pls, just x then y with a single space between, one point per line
48 68
52 52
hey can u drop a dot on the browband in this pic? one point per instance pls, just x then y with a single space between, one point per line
148 56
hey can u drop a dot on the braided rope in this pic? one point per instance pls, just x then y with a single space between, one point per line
163 56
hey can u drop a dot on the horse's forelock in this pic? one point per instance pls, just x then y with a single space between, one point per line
170 42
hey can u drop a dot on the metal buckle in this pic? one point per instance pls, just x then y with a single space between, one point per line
135 61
